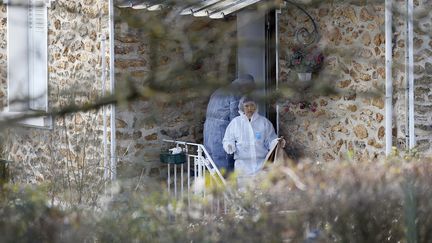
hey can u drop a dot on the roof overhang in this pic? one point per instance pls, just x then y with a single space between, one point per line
214 9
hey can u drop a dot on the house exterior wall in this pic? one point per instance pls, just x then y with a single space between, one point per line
423 75
343 125
338 126
70 154
350 122
175 108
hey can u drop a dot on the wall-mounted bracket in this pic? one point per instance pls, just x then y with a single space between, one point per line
303 35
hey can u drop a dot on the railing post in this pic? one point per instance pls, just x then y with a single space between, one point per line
188 180
200 167
175 181
199 161
181 180
202 160
202 163
195 168
168 182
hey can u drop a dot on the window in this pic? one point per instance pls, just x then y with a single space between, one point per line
27 55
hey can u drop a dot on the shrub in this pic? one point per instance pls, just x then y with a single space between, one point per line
387 201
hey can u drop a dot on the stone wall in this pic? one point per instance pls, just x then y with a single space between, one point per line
70 154
3 59
423 75
175 98
350 122
325 126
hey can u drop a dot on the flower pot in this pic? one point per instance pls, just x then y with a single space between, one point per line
168 158
304 77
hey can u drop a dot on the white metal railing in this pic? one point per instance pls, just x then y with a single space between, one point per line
192 179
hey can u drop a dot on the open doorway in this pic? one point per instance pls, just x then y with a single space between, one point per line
256 54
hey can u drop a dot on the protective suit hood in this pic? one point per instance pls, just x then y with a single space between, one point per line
240 107
244 79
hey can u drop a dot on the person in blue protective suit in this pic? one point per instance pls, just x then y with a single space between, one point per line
221 109
249 137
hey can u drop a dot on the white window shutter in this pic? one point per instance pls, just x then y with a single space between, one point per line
17 48
38 55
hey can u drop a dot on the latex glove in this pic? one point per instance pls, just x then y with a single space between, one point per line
282 142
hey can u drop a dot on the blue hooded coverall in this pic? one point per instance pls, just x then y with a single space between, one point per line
221 110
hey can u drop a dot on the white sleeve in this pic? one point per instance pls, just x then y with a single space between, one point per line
228 141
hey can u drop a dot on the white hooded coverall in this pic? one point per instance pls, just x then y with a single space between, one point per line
250 141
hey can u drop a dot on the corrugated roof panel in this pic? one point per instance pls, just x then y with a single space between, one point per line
140 5
231 9
215 9
155 7
127 3
199 6
154 4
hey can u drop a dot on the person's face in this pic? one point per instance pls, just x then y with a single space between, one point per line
249 108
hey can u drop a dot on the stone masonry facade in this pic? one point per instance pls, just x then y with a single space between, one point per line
324 126
328 127
144 123
423 76
350 123
71 153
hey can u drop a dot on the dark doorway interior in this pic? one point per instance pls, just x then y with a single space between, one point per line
270 65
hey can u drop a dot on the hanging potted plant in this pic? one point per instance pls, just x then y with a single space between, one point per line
305 61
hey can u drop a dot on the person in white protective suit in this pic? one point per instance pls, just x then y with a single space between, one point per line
222 108
250 137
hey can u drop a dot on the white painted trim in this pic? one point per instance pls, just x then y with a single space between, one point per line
277 13
38 55
407 74
17 84
44 122
104 108
49 2
112 82
389 79
411 129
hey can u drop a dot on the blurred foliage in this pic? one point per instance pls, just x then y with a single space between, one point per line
387 201
25 217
